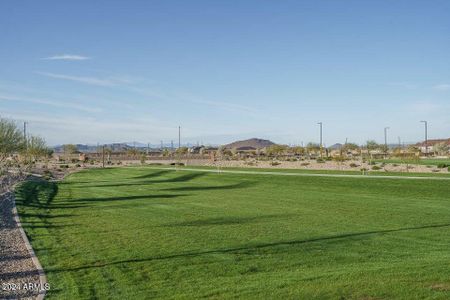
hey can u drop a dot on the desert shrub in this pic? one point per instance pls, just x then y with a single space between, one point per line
304 164
372 163
436 170
376 168
73 160
442 165
151 164
395 165
353 165
78 165
429 167
363 170
320 160
64 166
275 163
177 164
47 175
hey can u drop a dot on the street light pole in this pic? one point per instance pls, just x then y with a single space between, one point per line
385 141
320 123
385 137
179 136
426 136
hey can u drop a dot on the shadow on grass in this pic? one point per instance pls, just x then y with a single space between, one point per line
207 188
226 221
183 178
245 248
36 193
152 175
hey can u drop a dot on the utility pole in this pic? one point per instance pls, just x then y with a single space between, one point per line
399 143
426 136
171 144
162 145
320 123
148 148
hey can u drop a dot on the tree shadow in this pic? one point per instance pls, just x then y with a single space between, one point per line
183 178
152 175
226 221
245 248
36 193
124 198
206 188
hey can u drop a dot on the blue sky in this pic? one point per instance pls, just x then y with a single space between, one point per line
110 71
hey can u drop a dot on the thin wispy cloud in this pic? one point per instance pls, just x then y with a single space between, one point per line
81 79
442 87
67 57
50 103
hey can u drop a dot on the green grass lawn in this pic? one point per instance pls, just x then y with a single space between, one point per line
140 233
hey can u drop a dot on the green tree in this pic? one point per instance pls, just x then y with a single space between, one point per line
371 145
350 147
441 148
36 148
70 149
11 139
182 150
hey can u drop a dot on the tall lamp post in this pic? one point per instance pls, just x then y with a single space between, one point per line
385 140
426 136
320 124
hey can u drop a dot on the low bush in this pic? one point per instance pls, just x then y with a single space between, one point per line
353 165
320 160
442 166
304 164
376 168
151 164
47 175
275 163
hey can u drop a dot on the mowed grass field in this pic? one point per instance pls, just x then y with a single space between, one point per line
142 233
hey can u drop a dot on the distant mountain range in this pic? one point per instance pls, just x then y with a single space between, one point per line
250 143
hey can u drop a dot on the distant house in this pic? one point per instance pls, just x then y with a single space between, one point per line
430 144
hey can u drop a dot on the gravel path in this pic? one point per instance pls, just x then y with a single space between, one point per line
18 265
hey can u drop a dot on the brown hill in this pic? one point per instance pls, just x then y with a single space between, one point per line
250 144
